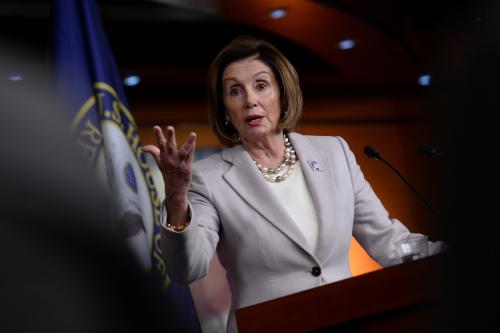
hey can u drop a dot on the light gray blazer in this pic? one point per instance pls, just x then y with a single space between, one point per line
263 251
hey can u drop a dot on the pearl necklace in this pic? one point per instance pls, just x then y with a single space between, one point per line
282 172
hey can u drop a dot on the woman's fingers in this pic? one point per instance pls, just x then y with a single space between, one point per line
171 143
168 145
151 149
160 138
154 151
187 148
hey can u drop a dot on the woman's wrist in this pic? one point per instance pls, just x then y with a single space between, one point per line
178 218
178 228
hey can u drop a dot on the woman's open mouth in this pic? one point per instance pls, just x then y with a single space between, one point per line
253 119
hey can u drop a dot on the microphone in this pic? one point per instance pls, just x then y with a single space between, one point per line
430 151
373 153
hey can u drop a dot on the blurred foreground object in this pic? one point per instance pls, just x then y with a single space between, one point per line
89 82
65 267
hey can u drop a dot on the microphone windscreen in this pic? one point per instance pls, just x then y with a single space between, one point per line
371 152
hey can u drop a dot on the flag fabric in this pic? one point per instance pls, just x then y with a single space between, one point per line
88 79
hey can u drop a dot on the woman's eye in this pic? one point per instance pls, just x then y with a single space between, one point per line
261 85
234 91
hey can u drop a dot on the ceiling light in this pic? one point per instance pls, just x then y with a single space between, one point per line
424 80
346 44
131 80
15 77
278 13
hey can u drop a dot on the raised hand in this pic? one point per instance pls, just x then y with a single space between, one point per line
175 164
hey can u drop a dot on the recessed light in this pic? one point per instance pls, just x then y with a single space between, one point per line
15 77
278 13
131 80
424 80
346 44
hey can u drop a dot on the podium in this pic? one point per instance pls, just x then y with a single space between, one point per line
401 298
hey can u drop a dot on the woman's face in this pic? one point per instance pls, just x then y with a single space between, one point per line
251 98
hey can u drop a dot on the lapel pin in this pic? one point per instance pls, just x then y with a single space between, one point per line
314 165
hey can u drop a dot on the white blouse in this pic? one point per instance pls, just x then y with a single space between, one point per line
295 197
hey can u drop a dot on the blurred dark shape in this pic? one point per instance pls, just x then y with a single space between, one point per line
65 266
471 94
429 150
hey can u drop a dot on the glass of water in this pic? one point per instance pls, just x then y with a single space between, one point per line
413 247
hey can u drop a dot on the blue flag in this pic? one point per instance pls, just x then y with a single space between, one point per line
88 79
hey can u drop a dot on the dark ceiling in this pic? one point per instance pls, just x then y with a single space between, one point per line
171 48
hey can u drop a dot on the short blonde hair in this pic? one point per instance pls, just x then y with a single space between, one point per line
290 93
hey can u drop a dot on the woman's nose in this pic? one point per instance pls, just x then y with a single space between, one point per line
251 99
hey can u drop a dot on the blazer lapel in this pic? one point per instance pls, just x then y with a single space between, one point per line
247 181
318 174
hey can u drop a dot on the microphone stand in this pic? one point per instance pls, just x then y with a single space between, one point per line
371 152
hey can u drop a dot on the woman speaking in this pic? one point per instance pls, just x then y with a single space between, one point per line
279 207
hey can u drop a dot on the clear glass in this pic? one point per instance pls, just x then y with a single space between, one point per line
412 248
